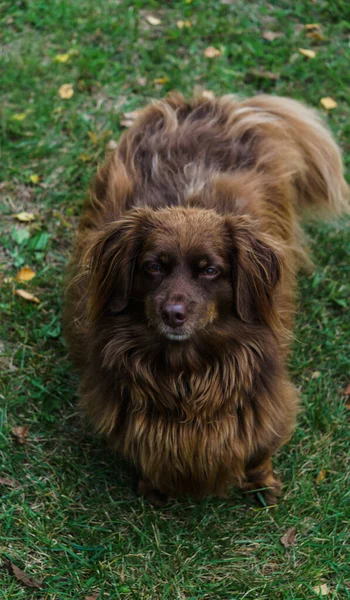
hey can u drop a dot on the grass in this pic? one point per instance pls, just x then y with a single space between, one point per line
73 519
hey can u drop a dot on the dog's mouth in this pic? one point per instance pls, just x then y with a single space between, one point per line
175 335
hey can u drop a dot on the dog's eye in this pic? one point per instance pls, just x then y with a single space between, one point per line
210 272
153 268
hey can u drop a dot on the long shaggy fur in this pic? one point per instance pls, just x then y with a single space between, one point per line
234 177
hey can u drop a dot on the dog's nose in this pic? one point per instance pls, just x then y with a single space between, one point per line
174 314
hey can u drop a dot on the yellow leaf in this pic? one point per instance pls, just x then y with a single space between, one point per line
307 53
182 24
19 116
322 589
212 52
66 91
62 58
312 26
315 35
188 1
328 103
153 20
321 476
316 375
34 178
84 157
93 137
160 80
25 217
27 296
25 274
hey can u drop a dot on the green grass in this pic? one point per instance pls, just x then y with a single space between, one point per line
74 520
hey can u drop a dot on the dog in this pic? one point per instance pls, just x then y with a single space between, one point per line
180 297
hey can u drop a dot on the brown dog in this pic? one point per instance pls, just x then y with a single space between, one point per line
180 298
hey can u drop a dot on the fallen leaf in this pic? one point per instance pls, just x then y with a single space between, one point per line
316 375
270 36
129 118
93 597
182 24
315 35
25 274
111 145
208 94
34 178
62 58
347 390
84 157
321 476
288 538
20 433
312 26
142 81
19 116
212 52
27 296
307 53
328 103
265 74
25 217
322 589
66 91
93 137
22 576
160 80
153 20
7 482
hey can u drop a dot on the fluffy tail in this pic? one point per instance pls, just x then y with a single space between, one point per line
305 152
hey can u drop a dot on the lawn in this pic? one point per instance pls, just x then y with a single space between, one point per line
69 516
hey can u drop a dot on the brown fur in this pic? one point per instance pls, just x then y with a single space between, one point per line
205 180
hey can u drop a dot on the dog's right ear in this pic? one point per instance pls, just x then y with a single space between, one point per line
110 262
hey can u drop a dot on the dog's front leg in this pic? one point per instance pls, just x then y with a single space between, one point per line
261 475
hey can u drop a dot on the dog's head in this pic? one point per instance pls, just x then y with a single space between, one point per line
184 270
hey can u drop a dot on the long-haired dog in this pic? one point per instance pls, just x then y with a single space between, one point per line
180 298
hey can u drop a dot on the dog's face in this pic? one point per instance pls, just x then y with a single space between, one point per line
184 270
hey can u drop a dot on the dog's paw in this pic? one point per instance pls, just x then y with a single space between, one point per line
151 494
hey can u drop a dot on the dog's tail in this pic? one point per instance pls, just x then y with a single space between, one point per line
302 148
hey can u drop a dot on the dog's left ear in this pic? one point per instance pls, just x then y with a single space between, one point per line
256 270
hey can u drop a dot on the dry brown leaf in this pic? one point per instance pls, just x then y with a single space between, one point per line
24 217
321 476
153 20
347 390
93 597
322 589
7 482
27 296
270 36
66 91
328 103
20 433
265 74
288 538
212 52
316 375
307 53
25 274
22 576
